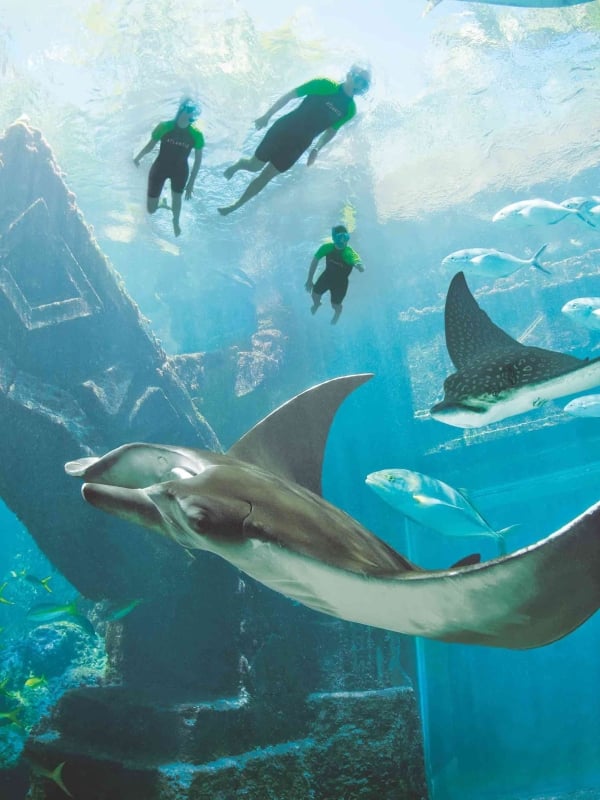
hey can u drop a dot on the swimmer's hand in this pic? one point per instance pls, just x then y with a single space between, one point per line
136 162
309 286
261 122
189 190
312 157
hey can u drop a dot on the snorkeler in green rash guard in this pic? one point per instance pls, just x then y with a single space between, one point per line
177 137
340 259
327 105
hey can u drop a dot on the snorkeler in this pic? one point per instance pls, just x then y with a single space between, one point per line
327 105
178 137
339 261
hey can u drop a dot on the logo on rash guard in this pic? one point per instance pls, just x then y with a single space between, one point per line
332 107
178 142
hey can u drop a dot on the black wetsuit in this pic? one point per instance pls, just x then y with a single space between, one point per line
338 266
176 144
326 105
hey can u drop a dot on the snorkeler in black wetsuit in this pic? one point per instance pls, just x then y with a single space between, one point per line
327 106
291 135
340 260
178 137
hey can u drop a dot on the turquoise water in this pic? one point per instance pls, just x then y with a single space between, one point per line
471 108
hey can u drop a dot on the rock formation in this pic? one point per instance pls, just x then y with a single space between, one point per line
213 682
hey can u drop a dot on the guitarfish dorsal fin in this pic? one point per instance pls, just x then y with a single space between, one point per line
290 441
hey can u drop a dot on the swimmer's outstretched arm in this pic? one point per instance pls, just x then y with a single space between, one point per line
190 184
311 274
325 137
277 105
144 151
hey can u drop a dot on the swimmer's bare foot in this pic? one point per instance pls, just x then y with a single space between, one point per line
314 308
335 319
176 228
226 210
230 172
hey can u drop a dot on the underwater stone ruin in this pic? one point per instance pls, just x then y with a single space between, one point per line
215 688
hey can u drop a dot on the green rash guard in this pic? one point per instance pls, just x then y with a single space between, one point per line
325 105
338 266
338 260
176 143
321 87
172 161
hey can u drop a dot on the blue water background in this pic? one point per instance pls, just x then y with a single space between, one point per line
496 106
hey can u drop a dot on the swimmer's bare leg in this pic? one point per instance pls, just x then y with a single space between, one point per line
176 198
151 204
253 164
254 187
337 308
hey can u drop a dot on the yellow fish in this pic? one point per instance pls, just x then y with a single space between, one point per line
54 775
35 683
3 599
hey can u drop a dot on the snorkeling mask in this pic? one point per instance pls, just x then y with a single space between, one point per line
190 108
361 78
340 236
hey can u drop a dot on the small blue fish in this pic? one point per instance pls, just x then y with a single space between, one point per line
122 611
432 503
49 612
46 612
586 406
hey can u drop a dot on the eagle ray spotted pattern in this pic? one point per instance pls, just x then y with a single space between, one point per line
497 376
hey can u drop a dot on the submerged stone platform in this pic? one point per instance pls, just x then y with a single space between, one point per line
335 745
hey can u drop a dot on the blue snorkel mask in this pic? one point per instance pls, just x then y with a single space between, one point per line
190 108
361 78
340 236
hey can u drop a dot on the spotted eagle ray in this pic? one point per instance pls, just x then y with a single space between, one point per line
259 507
498 377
